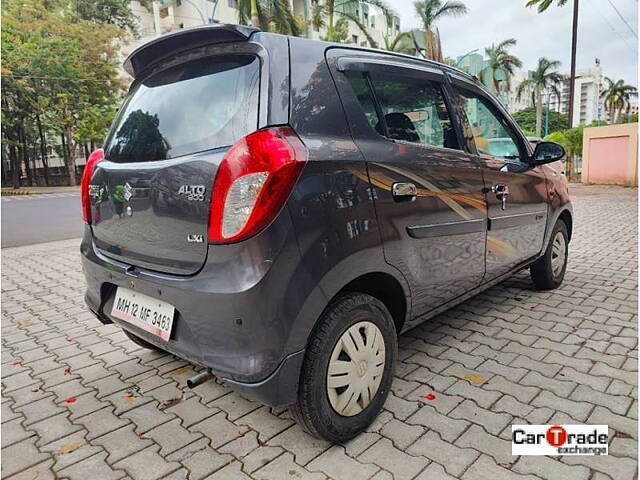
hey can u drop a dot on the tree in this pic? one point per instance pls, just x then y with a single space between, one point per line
544 5
500 63
255 14
52 77
336 14
270 15
94 120
111 12
317 20
429 12
571 140
544 78
401 43
526 118
617 98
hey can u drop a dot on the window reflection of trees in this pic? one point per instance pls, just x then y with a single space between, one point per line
139 138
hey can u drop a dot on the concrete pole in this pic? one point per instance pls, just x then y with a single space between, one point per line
156 17
572 78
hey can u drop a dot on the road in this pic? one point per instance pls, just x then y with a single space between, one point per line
31 219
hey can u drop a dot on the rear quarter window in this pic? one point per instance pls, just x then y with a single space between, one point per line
199 105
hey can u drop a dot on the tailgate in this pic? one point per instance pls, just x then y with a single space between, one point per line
155 217
150 196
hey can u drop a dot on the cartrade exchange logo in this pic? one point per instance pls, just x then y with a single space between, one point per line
559 439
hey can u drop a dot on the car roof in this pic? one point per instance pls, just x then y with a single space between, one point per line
425 61
188 38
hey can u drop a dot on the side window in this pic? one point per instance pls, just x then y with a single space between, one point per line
359 84
488 127
414 109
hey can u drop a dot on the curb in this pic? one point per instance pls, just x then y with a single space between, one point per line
11 191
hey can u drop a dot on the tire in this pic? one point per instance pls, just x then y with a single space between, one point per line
317 409
139 341
548 271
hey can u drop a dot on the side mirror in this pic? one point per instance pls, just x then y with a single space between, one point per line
547 152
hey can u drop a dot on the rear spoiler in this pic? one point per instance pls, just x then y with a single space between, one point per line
171 43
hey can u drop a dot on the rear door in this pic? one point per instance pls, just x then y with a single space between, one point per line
150 196
516 193
427 191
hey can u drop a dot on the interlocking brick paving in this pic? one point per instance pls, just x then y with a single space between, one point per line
80 400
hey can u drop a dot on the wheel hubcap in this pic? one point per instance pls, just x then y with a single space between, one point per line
558 254
355 369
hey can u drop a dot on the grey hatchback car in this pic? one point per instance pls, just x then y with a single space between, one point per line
276 210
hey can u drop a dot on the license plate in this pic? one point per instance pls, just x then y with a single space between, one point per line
144 312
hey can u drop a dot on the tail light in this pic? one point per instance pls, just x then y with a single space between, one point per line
253 181
90 166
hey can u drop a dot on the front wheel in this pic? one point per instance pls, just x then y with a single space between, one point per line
548 271
348 368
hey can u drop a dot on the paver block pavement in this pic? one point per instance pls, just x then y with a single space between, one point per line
80 400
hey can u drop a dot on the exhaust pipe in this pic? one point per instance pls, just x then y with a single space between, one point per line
202 377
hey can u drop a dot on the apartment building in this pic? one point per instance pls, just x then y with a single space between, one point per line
588 105
633 106
162 16
525 100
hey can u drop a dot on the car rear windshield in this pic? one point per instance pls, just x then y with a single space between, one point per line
203 104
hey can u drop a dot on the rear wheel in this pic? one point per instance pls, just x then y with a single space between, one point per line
143 343
548 271
348 368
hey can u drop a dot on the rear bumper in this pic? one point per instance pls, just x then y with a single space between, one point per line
235 316
279 389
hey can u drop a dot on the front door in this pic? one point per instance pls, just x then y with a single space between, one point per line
516 193
427 191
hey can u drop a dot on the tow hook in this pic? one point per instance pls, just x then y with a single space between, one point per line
202 377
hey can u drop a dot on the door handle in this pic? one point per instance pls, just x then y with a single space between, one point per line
502 192
404 191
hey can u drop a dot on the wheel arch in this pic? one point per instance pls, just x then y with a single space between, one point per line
564 213
386 288
567 218
381 281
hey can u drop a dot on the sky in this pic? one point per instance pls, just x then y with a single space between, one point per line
602 34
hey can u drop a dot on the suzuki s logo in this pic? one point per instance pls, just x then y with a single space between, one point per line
193 238
194 193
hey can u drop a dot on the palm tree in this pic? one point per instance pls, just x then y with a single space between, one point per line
347 9
544 4
544 77
270 15
401 43
500 62
317 19
617 96
430 11
255 15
